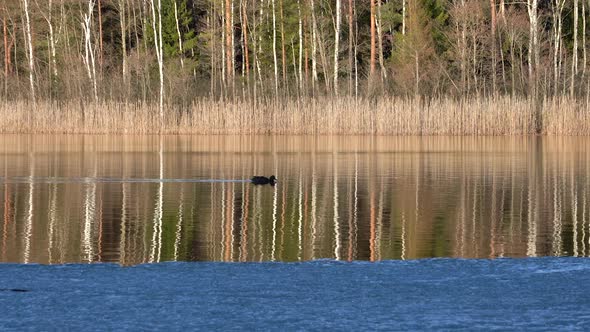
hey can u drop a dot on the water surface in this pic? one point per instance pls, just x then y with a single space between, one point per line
137 199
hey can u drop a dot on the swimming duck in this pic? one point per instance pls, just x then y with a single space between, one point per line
264 180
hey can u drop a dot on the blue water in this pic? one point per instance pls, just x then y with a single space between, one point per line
434 294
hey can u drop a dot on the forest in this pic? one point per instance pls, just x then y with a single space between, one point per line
175 54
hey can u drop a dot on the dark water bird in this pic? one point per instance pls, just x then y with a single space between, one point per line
272 180
19 290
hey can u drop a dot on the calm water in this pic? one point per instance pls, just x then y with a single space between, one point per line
136 199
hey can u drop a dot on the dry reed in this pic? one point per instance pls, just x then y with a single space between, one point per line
343 116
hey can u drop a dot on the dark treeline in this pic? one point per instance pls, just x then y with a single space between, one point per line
177 50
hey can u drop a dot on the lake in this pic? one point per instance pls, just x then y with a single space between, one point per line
143 199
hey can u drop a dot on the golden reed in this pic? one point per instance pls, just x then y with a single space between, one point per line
326 115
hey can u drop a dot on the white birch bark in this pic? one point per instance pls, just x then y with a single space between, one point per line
533 52
300 46
89 60
29 44
274 48
337 43
159 56
314 62
575 49
123 22
179 35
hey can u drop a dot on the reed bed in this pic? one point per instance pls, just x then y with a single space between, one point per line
326 115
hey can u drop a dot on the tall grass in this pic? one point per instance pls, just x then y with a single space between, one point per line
326 115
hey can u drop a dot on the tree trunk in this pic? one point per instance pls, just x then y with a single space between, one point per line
29 43
373 48
533 51
122 20
89 60
403 17
157 29
575 50
245 37
180 51
274 47
379 22
337 43
100 43
283 52
314 42
228 40
350 46
493 50
300 46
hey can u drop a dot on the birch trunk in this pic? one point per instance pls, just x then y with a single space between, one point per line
380 43
337 44
228 40
180 51
373 48
122 20
314 42
300 46
89 60
274 47
533 51
350 46
157 29
283 53
575 50
493 31
245 36
29 44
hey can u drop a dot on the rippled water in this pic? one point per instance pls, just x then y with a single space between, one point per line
134 199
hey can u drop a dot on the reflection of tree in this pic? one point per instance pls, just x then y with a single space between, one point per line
408 198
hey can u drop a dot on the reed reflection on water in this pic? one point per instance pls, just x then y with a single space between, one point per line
133 200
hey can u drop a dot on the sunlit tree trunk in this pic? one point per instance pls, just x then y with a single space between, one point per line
123 22
493 37
157 30
283 52
583 38
274 47
300 46
180 51
557 27
100 43
228 40
314 42
575 50
29 44
350 46
245 39
373 46
337 43
6 55
533 51
89 60
379 22
403 17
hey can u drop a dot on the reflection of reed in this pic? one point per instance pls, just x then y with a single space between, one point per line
343 198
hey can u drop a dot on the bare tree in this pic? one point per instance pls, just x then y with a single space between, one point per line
180 51
29 45
373 48
88 48
157 29
123 22
534 52
337 43
575 49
